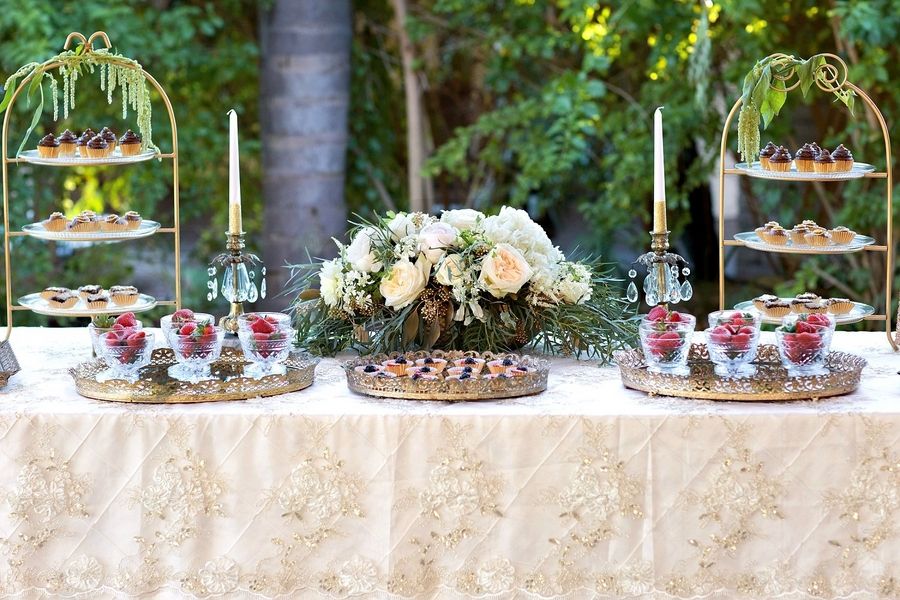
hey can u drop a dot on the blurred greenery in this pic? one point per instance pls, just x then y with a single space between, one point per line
545 104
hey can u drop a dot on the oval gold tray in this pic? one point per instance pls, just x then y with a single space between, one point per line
771 382
156 387
448 390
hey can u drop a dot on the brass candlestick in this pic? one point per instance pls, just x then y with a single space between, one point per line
238 279
662 284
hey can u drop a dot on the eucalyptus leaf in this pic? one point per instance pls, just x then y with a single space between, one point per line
432 334
410 328
34 121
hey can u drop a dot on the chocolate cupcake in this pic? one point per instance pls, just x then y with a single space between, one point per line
815 148
97 301
760 301
123 295
133 219
842 235
807 296
83 224
97 147
781 160
130 143
765 154
776 308
56 222
90 290
110 138
818 237
48 147
839 306
67 143
113 223
824 162
843 159
778 236
63 300
54 291
805 159
798 234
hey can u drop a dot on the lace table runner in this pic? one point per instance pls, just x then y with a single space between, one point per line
587 490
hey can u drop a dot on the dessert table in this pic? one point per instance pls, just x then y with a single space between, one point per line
587 490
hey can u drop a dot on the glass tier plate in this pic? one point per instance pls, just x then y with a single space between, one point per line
859 312
32 156
755 170
37 230
751 240
35 303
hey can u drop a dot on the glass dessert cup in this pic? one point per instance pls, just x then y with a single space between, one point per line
125 356
666 344
749 318
266 351
168 327
95 333
804 352
278 320
194 354
732 349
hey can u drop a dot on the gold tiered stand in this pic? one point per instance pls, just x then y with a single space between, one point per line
175 230
828 78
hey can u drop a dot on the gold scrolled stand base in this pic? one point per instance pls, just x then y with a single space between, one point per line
228 382
771 382
406 388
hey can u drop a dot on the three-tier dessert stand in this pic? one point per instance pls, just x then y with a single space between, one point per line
145 302
829 78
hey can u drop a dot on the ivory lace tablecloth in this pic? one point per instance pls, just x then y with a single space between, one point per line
588 490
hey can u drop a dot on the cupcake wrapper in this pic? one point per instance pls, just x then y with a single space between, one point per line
97 305
130 149
66 148
805 166
778 240
777 312
124 299
843 237
132 225
57 225
48 151
780 167
840 308
67 304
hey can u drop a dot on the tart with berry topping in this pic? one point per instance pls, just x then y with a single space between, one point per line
397 366
63 300
438 364
501 365
473 362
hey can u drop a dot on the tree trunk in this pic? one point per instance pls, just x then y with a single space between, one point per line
304 95
415 122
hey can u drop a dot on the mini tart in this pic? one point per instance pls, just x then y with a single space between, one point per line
839 306
423 377
805 159
781 160
818 237
385 375
798 234
798 304
777 308
424 370
67 142
122 288
132 219
501 366
460 370
369 369
519 371
97 301
397 366
842 235
97 147
56 222
814 307
765 154
807 296
824 162
89 290
130 143
438 364
54 291
760 301
843 159
503 375
124 298
463 377
778 236
477 364
65 300
48 147
113 223
83 224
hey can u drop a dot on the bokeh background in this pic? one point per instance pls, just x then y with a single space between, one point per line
374 105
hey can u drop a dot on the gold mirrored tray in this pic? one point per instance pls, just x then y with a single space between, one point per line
858 313
755 170
37 230
751 240
36 304
32 156
228 383
770 383
533 382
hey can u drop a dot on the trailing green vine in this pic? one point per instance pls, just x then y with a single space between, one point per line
765 91
116 71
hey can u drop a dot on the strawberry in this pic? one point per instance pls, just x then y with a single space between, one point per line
182 315
112 339
721 334
675 317
127 319
262 344
819 319
657 313
137 339
188 328
271 319
261 326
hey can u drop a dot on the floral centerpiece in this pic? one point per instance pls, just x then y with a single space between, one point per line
461 281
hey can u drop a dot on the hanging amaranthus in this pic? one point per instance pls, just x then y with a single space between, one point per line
115 71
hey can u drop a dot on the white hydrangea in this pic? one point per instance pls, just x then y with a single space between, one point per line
574 285
331 282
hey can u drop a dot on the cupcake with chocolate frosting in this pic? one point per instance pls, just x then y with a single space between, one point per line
130 143
97 147
133 219
843 159
113 223
56 222
110 138
48 147
765 154
781 160
805 159
67 143
824 162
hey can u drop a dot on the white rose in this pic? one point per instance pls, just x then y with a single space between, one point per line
331 281
434 240
574 292
504 271
464 219
360 254
450 270
404 282
401 226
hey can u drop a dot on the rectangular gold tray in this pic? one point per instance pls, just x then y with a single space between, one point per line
448 390
771 382
228 383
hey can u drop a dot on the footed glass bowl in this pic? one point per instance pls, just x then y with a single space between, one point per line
194 354
125 354
266 351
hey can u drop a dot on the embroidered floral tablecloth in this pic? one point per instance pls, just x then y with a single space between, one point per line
588 490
